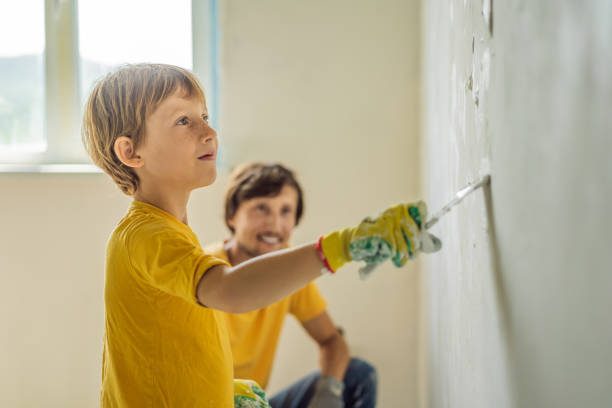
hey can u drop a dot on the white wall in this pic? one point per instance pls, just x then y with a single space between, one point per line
52 239
330 89
518 300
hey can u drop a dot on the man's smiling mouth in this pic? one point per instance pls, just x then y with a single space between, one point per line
270 239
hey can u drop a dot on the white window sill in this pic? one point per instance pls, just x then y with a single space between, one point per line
49 168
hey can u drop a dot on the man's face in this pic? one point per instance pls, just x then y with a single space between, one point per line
179 148
264 224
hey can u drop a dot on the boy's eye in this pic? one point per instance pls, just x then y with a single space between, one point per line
205 118
182 121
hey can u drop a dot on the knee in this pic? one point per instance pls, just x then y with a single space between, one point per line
361 384
363 371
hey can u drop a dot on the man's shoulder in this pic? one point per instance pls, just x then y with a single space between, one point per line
216 249
311 287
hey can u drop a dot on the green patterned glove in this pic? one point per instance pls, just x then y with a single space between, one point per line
248 394
396 234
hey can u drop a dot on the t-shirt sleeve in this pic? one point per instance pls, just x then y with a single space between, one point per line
170 261
307 303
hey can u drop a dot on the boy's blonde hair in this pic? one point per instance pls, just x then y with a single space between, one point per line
119 104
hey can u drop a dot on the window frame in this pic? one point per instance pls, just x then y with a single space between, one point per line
62 93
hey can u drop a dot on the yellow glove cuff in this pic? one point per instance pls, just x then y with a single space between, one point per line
335 247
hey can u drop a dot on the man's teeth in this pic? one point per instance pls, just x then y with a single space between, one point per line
269 239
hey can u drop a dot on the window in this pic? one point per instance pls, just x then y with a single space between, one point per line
62 47
22 78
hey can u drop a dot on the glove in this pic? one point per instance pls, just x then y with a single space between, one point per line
328 394
396 234
248 394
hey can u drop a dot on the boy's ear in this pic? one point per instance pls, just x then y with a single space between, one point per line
125 151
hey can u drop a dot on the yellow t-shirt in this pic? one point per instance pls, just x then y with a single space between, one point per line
161 348
254 335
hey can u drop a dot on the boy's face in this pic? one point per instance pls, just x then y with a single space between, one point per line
264 224
179 149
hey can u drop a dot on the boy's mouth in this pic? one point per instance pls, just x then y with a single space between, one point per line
208 156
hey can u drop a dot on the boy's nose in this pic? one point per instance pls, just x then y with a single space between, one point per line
208 134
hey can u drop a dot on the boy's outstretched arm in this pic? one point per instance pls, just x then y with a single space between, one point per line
396 234
259 281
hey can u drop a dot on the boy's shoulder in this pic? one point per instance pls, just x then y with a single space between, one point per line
141 225
135 222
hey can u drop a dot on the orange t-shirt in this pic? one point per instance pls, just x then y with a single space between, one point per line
254 336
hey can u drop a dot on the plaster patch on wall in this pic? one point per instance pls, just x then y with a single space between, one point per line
458 107
487 13
455 166
460 148
461 117
475 76
453 89
482 110
478 82
481 63
469 83
485 167
485 67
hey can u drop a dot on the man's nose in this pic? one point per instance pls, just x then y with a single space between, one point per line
274 222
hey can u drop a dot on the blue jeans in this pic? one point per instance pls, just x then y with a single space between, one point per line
360 382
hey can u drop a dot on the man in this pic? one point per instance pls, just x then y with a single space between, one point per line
263 204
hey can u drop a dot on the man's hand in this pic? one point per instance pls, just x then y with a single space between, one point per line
396 234
328 394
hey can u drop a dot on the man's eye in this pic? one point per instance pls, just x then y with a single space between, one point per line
182 121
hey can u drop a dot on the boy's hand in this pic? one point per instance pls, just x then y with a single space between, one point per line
248 394
396 234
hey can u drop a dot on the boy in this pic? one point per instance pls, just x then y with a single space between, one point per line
263 203
166 343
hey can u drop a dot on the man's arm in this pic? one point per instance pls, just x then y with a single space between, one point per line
334 352
260 281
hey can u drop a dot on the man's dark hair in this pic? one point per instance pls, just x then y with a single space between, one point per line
252 180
